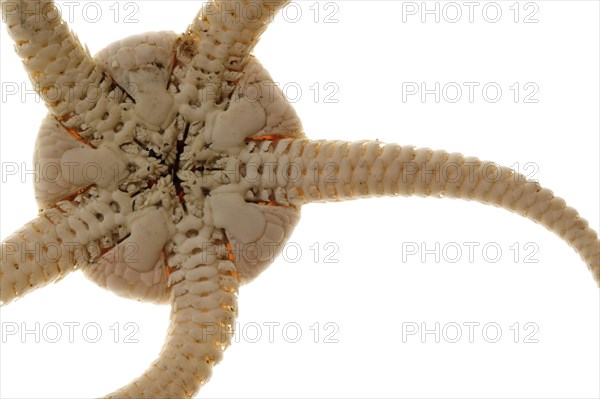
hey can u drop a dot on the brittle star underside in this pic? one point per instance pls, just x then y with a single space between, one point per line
387 140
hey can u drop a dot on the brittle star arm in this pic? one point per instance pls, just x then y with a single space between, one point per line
228 30
59 240
319 171
203 285
62 71
40 252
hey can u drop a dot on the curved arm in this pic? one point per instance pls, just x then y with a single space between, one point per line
319 171
204 286
60 68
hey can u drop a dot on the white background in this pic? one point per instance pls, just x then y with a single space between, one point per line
369 53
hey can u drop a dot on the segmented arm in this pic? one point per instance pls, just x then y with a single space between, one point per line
62 238
319 171
204 286
216 48
60 68
43 251
231 28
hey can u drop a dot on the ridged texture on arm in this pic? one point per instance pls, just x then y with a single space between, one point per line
337 170
216 48
41 252
204 307
60 239
60 68
229 30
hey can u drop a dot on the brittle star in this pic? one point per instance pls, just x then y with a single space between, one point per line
82 197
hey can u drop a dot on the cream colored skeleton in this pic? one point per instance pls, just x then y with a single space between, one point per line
227 185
